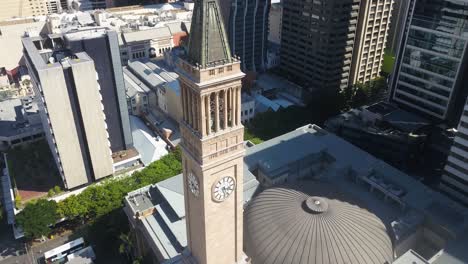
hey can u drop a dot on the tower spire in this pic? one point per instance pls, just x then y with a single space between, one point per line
208 43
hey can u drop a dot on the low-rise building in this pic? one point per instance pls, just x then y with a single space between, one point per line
247 108
162 81
140 98
392 134
20 122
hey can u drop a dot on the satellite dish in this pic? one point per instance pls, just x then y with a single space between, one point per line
51 60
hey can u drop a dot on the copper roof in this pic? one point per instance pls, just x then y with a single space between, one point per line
314 223
208 43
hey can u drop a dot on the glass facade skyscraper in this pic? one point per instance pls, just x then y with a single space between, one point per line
431 66
246 22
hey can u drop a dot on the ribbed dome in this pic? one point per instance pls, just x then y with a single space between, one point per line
314 223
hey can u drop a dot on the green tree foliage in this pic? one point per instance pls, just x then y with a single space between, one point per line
100 200
72 208
364 93
18 201
50 193
249 136
36 218
271 124
57 189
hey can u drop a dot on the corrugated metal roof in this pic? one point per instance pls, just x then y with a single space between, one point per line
146 74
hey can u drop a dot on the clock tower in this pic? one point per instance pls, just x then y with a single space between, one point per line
212 140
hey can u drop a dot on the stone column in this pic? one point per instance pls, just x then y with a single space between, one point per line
208 114
195 111
216 111
202 115
189 106
225 109
182 100
239 104
236 106
233 107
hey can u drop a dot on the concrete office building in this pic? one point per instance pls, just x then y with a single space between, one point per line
275 22
334 44
430 75
102 47
371 39
28 8
454 180
246 23
69 96
315 52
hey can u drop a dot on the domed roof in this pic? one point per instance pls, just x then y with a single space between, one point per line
314 223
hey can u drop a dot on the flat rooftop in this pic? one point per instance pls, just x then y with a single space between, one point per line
12 121
394 120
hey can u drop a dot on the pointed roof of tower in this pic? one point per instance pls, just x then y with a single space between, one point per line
208 43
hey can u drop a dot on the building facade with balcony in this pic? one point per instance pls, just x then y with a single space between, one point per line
331 45
371 39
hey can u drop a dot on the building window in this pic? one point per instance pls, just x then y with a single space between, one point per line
212 72
220 70
229 68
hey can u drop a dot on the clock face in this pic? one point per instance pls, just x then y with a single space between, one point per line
223 188
193 184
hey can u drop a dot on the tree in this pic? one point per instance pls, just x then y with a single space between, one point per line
126 245
36 218
72 207
57 189
18 201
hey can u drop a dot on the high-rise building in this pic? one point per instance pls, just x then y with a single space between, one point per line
69 99
430 75
23 8
399 22
454 180
212 140
330 45
275 22
102 47
247 29
370 41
